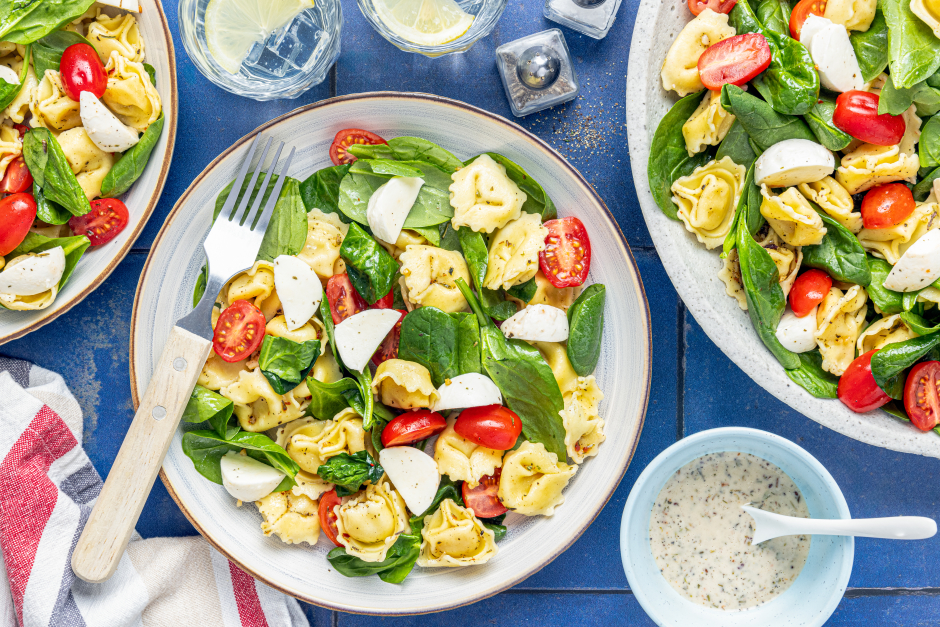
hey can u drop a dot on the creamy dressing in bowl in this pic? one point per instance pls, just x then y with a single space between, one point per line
701 538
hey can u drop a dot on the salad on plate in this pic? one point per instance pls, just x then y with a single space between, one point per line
408 361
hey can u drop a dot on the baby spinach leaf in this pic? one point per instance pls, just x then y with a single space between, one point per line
47 52
765 126
447 489
285 363
839 253
52 172
49 212
393 168
327 317
495 525
888 301
430 233
736 145
366 406
524 291
468 343
206 448
409 149
895 101
477 256
25 21
927 100
132 163
537 200
287 230
871 47
889 363
371 269
9 91
328 399
748 209
669 158
431 207
791 83
204 405
819 119
925 185
429 337
200 287
349 472
743 20
321 190
929 146
811 377
398 563
152 73
585 329
909 300
450 240
73 247
913 50
919 324
774 15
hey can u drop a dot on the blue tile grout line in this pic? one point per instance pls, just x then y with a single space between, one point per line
680 369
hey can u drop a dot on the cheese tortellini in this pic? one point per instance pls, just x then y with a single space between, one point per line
584 428
256 285
880 333
556 356
532 480
680 69
835 200
292 518
404 384
119 34
839 321
257 406
325 233
370 523
463 460
11 146
792 217
892 242
514 252
853 14
453 536
405 239
484 197
89 163
51 108
218 373
707 199
548 294
19 106
429 278
708 125
869 166
311 443
130 94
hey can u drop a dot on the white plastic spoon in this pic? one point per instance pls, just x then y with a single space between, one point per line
770 526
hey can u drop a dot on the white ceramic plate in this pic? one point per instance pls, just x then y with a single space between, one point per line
694 270
165 293
141 199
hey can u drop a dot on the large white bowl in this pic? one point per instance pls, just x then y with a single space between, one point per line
694 270
141 199
165 293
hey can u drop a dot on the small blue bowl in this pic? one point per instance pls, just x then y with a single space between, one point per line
815 594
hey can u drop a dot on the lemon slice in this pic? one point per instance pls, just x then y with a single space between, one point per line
234 26
424 22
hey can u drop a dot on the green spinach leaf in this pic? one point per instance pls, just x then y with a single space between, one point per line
447 489
929 146
9 91
893 100
430 233
394 568
321 190
747 209
743 20
204 405
764 125
791 83
47 52
366 405
819 119
839 253
369 266
537 200
774 14
811 377
73 247
328 399
206 448
52 172
919 324
49 212
431 207
200 287
285 363
409 149
524 291
889 363
349 472
327 317
585 329
477 256
888 301
871 47
925 185
25 21
132 163
913 50
151 73
429 337
736 145
287 229
450 240
468 343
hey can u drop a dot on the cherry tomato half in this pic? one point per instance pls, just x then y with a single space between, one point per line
734 60
238 332
718 6
566 260
802 10
412 427
346 138
386 302
483 499
857 114
857 387
328 517
809 289
107 218
17 213
22 129
922 395
388 349
492 426
887 205
81 70
17 178
344 300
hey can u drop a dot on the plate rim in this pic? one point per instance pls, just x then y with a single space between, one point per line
151 205
645 352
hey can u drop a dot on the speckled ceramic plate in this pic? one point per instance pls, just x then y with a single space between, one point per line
694 270
141 199
165 293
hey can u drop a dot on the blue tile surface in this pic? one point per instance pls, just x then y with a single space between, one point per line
892 583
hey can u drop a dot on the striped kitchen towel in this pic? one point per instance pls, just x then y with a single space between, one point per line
47 489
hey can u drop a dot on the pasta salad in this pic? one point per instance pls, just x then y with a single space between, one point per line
805 149
409 360
79 118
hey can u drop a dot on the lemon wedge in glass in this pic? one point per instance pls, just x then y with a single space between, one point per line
234 26
424 22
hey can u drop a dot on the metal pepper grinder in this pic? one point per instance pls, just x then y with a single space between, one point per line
591 17
537 72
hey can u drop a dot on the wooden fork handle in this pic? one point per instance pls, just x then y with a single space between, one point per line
125 491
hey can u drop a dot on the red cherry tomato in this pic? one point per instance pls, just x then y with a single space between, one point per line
238 332
346 138
22 129
809 289
107 218
718 6
412 427
344 300
857 387
484 499
857 114
922 395
17 178
492 426
887 205
328 517
17 213
386 302
81 70
388 349
566 259
734 60
802 10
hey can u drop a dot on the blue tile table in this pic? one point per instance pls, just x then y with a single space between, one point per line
694 385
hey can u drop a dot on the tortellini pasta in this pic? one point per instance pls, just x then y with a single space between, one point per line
532 480
514 252
928 12
404 384
680 69
792 217
19 106
707 199
708 124
311 442
325 369
370 523
257 406
839 321
484 197
130 94
256 285
584 428
908 143
277 326
463 460
119 34
853 14
429 278
405 239
89 163
730 275
453 536
293 518
548 294
556 356
832 198
880 333
325 233
892 242
11 146
869 166
218 373
50 106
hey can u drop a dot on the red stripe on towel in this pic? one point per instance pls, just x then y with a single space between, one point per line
246 598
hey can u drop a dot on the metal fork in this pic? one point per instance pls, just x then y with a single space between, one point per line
231 247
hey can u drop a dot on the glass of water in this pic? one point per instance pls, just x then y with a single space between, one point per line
290 61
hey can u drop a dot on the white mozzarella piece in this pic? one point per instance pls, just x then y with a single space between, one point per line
34 274
127 5
104 129
468 390
812 25
9 76
389 206
357 337
793 161
247 479
835 59
414 474
537 323
299 289
797 334
918 267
